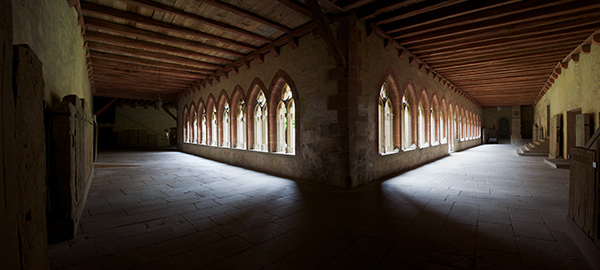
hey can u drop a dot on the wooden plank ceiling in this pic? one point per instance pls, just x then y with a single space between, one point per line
499 52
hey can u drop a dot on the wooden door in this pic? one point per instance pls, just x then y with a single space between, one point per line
503 128
556 136
583 191
571 127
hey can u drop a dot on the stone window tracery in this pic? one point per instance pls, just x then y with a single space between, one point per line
225 125
213 127
241 125
261 114
203 138
407 141
195 127
432 130
286 122
385 119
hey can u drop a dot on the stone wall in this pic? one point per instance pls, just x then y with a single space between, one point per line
50 28
148 126
491 118
306 69
71 177
336 109
23 208
577 87
377 64
9 233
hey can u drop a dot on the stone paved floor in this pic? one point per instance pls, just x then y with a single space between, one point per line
484 208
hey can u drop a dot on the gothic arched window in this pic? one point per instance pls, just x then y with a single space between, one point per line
261 116
386 119
195 127
407 141
203 138
225 125
432 129
213 126
241 125
286 122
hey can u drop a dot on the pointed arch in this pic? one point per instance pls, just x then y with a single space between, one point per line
409 124
258 128
423 111
193 129
186 124
201 121
451 125
388 116
239 118
434 120
457 121
283 104
211 115
223 119
443 121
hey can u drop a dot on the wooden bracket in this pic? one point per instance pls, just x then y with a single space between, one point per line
170 113
106 106
326 32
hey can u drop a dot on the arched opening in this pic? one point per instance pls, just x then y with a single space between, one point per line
385 121
286 122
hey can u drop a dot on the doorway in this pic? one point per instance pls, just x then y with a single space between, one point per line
504 128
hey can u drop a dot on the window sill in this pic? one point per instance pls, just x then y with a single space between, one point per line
395 151
410 148
284 153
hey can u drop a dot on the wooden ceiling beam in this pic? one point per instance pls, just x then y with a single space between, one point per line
139 92
103 69
504 15
461 73
356 4
331 6
141 86
145 62
247 14
441 15
134 18
153 47
108 92
533 38
498 27
501 92
155 37
405 9
500 83
499 56
100 63
505 47
518 87
152 55
197 18
480 80
326 33
508 60
515 30
298 7
142 80
459 76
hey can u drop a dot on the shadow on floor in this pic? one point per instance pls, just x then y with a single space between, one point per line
179 211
